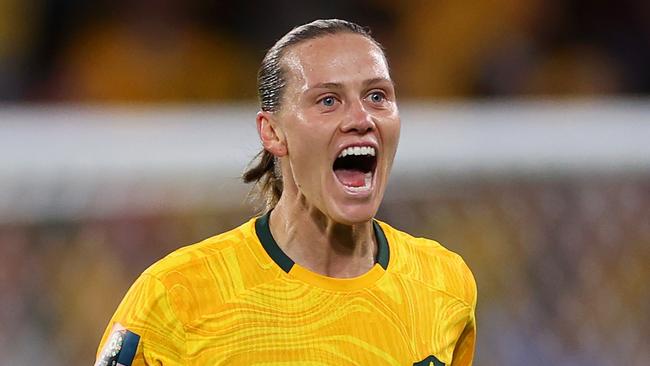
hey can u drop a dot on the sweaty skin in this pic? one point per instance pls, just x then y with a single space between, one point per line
339 93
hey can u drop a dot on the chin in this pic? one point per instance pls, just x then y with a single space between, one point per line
352 214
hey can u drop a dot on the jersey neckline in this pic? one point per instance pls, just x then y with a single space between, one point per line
287 265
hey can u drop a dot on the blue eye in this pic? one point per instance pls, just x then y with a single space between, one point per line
377 97
328 101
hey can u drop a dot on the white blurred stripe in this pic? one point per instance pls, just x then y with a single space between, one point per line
543 137
70 162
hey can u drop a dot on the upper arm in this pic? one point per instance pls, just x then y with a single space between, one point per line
466 344
464 351
144 329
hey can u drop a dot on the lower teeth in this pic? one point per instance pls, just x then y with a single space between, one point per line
367 182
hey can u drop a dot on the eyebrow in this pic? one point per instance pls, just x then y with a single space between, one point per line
377 80
335 85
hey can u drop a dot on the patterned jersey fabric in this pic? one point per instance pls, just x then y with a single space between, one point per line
237 299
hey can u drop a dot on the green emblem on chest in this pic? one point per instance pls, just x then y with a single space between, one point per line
429 361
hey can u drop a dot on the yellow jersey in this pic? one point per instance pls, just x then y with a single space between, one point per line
238 299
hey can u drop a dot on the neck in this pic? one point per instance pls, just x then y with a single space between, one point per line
316 242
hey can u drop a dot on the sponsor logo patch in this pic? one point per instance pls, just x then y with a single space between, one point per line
120 348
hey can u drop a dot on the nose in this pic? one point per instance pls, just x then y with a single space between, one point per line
358 119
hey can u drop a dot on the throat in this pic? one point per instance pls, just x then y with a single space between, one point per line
334 250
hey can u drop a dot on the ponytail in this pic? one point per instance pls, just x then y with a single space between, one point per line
264 172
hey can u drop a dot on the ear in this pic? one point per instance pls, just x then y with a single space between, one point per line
271 134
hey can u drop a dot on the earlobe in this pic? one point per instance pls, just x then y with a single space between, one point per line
270 133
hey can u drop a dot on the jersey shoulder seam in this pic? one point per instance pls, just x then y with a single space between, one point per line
450 294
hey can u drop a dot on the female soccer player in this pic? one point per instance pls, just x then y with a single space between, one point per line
315 280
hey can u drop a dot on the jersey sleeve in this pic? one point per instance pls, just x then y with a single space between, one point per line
464 350
144 329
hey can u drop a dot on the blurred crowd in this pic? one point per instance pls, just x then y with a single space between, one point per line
61 280
561 265
202 50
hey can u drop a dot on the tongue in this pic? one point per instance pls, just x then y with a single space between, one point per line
351 178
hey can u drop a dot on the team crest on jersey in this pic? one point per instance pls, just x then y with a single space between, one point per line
429 361
120 348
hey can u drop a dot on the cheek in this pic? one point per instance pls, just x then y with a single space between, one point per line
309 135
307 148
398 128
391 133
302 143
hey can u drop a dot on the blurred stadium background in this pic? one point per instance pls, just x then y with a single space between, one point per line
526 148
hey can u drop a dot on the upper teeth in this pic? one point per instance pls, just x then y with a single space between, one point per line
357 150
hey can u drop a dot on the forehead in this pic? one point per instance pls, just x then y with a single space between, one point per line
341 58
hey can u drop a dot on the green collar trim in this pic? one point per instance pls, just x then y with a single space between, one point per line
281 259
272 248
383 251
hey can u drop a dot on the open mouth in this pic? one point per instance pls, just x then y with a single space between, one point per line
355 166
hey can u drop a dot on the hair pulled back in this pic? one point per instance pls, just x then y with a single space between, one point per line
264 170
